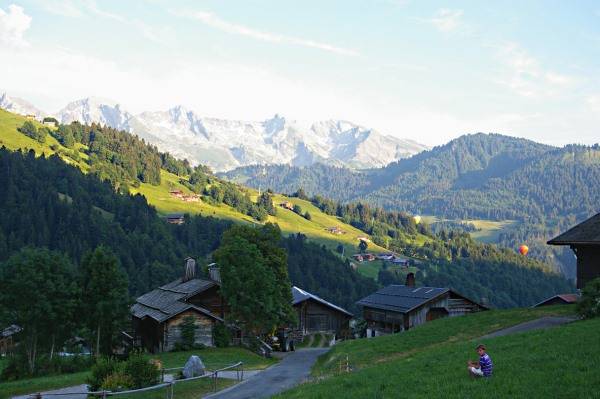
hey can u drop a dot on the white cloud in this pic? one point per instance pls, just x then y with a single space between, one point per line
216 22
446 20
65 8
527 77
13 24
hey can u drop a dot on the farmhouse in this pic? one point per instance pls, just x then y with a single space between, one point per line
287 205
318 315
158 314
561 299
398 308
335 230
584 240
175 218
176 193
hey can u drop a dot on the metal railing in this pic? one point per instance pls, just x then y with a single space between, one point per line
214 375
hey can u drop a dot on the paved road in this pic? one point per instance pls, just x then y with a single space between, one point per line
291 371
544 322
76 392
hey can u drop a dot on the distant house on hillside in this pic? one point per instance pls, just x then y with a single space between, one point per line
335 230
561 299
175 218
158 314
398 308
287 205
176 193
318 315
50 121
584 240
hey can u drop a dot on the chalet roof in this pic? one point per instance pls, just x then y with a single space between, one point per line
169 300
401 298
299 295
10 330
568 298
586 232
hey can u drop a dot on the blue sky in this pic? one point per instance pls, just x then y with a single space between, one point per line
424 70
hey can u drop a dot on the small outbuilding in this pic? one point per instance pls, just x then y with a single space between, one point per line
561 299
584 240
318 315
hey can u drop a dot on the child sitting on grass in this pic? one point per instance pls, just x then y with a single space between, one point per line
484 367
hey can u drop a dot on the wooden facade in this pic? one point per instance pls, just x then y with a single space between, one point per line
315 317
588 263
584 240
398 308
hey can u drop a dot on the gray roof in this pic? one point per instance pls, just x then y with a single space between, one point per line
169 300
10 330
586 232
299 295
401 298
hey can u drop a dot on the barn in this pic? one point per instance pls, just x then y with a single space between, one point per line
397 308
584 240
561 299
318 315
158 314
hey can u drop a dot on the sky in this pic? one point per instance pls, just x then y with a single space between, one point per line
424 70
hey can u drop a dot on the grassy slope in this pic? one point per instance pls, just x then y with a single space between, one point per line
367 352
558 362
158 196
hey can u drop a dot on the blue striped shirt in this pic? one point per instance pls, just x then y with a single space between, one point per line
485 362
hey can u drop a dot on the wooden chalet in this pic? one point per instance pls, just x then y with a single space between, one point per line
397 308
175 218
561 299
318 315
7 342
584 240
287 205
158 314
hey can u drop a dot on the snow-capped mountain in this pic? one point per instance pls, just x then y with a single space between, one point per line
227 144
98 110
19 106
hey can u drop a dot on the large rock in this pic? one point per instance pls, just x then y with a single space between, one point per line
193 367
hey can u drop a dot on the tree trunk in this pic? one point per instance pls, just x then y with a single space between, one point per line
98 341
52 347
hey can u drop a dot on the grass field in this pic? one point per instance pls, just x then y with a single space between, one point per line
367 352
213 358
488 230
561 362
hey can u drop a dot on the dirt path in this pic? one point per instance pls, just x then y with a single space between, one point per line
542 323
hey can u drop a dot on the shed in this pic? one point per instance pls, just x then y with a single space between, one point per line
561 299
584 240
318 315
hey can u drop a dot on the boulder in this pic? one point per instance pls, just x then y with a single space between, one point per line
193 367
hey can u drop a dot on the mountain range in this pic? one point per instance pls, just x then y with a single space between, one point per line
227 144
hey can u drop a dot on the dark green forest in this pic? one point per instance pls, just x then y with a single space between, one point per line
47 203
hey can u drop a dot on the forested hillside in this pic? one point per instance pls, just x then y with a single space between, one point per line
87 210
542 189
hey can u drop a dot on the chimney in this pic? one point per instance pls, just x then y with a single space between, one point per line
190 269
410 280
214 272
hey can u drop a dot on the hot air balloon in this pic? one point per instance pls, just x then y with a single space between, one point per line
523 249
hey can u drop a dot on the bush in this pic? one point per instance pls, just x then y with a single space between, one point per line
103 368
17 367
117 381
188 332
221 335
142 372
589 306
